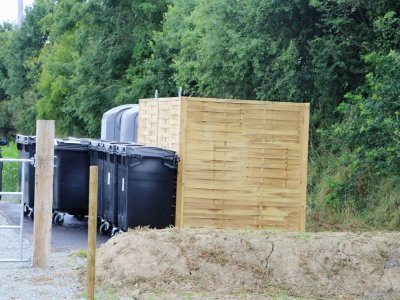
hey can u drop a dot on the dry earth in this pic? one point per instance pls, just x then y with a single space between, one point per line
199 264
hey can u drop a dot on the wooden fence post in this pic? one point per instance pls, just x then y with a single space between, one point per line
92 231
43 193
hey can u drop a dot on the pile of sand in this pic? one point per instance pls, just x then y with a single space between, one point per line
222 262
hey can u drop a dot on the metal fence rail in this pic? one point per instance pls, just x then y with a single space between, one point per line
21 220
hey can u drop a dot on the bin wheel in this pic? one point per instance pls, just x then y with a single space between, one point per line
115 231
58 219
31 214
26 210
105 228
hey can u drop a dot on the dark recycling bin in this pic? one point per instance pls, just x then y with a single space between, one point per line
3 142
71 178
95 160
95 150
108 181
146 186
1 174
26 146
107 201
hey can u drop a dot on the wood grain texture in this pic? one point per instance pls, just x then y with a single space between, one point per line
43 193
243 163
304 156
92 232
180 190
159 122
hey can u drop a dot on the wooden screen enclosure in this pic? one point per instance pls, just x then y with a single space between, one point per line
243 163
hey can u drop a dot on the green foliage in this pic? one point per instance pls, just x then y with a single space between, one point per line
157 71
334 205
23 68
371 120
10 170
232 49
71 60
5 36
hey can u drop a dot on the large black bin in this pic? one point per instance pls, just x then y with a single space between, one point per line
71 178
107 208
146 186
26 146
96 155
95 151
3 142
108 186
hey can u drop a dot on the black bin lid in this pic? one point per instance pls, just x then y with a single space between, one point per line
74 144
148 152
108 147
25 139
115 147
95 144
120 149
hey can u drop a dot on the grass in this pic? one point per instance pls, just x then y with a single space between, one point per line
79 253
328 210
10 170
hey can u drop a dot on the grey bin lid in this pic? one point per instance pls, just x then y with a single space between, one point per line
111 122
129 124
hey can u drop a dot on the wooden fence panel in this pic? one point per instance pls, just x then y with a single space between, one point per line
243 163
159 121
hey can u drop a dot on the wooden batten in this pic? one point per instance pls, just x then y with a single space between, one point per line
243 163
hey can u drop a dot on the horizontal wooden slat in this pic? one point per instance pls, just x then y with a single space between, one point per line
222 204
252 104
243 161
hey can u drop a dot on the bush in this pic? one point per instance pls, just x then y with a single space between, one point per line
10 170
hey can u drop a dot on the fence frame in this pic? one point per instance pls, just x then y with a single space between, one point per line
259 126
21 221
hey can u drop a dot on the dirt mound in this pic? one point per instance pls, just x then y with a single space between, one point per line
221 262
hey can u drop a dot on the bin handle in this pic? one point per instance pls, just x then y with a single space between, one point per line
139 157
172 158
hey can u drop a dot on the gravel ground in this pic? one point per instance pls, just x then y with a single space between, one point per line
22 281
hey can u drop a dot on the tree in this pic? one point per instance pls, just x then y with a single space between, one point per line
23 66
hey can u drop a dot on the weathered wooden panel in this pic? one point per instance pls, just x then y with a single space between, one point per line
243 163
159 122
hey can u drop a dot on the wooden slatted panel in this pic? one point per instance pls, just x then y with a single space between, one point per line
159 122
168 124
244 164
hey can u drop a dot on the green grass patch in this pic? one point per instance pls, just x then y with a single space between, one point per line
340 199
10 169
79 253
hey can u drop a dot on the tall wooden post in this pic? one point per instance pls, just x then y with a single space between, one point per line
92 231
43 193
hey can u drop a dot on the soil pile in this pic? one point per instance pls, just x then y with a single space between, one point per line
221 262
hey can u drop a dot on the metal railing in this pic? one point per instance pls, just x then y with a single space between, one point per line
21 220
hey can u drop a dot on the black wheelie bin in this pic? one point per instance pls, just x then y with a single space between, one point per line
26 146
3 142
107 208
146 186
108 187
71 179
96 160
